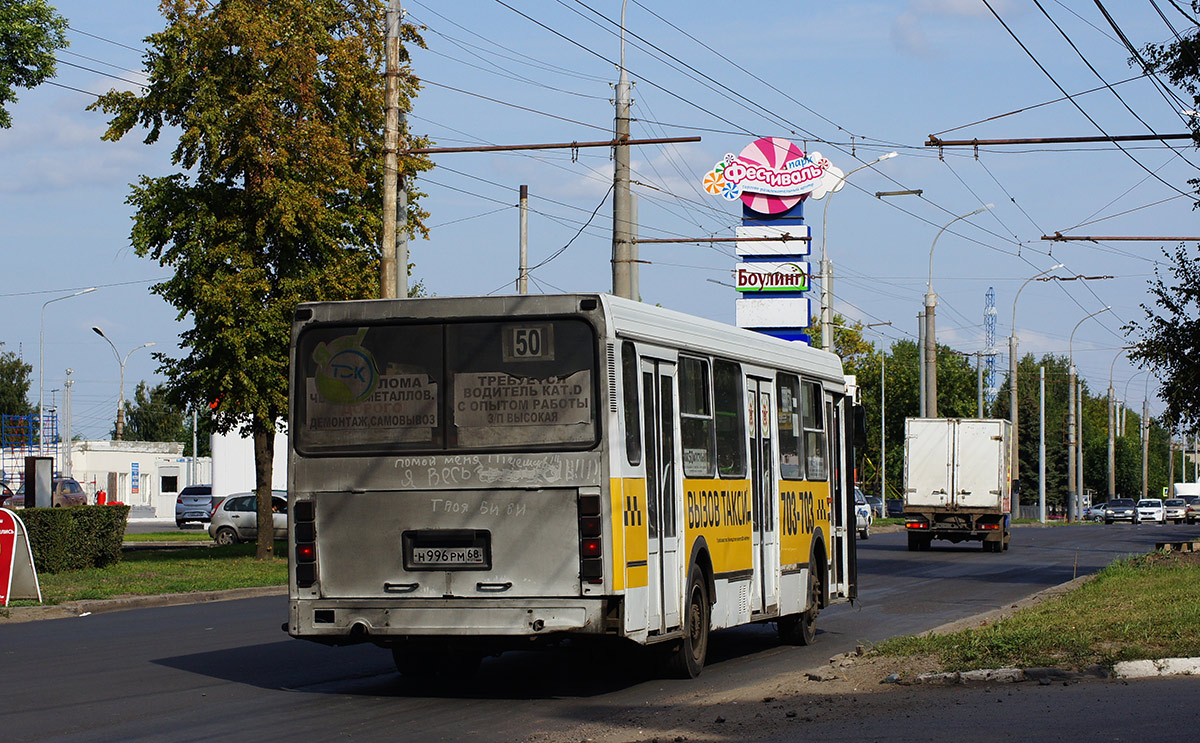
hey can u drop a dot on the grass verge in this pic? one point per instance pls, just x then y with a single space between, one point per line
1142 607
153 572
170 536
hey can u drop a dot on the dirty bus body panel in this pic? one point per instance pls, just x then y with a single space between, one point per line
957 481
468 474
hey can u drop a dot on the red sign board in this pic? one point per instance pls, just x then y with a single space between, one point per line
8 552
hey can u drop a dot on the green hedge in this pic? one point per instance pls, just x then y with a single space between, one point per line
75 538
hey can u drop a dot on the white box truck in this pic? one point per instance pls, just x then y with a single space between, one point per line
957 481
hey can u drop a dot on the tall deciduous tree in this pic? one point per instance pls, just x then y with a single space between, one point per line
14 384
279 105
30 32
1169 339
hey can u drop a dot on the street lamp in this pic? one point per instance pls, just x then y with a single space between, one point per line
930 350
1012 385
121 395
826 269
1072 493
1112 413
42 368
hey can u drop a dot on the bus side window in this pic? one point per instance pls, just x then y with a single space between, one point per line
695 417
629 382
813 414
730 419
790 433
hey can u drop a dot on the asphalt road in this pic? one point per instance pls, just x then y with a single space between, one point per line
209 671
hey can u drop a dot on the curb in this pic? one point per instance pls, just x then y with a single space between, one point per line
1140 669
86 607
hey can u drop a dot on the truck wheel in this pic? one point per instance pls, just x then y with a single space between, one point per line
914 542
687 659
801 629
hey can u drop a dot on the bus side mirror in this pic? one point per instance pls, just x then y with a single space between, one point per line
860 426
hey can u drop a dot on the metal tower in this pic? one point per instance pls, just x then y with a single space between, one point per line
989 329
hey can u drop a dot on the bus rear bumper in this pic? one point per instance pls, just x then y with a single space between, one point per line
339 621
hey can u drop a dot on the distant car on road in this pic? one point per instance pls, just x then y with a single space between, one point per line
1151 509
236 518
1175 510
876 504
1193 501
1095 512
863 515
65 491
1120 509
194 503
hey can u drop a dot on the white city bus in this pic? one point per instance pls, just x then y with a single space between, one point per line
468 474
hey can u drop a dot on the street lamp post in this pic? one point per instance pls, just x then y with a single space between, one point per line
1012 386
930 350
826 269
1072 493
1112 414
42 368
121 395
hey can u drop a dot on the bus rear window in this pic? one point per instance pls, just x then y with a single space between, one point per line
440 387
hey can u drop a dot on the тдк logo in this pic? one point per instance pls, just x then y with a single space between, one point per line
346 371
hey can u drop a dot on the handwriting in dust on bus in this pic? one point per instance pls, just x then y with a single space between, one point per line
497 469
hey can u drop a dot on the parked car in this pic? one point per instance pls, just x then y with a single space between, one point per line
1175 510
1193 513
65 491
5 494
236 518
895 508
863 515
1151 509
1120 509
876 504
194 503
1094 512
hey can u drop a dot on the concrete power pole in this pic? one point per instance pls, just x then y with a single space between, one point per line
392 267
67 424
523 267
622 250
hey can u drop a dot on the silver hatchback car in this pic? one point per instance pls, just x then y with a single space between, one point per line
235 519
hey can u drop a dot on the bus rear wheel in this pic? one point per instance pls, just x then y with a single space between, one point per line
687 658
801 629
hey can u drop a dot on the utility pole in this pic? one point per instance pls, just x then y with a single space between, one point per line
523 263
391 266
67 426
920 363
1042 443
622 246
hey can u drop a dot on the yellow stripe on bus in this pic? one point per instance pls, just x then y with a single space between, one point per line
628 518
803 509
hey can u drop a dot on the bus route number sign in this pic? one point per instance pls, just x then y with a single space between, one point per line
528 342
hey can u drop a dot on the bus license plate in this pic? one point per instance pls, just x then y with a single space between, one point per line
449 557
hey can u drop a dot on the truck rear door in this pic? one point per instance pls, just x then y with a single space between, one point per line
979 464
929 452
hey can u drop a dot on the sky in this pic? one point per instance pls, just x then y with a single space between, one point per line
852 80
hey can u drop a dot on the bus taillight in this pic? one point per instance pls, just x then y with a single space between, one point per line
591 567
304 536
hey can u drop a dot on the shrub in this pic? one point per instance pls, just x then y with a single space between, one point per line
75 538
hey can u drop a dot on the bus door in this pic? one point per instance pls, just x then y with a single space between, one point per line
663 485
765 593
841 515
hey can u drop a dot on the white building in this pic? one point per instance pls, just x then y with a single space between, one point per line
146 475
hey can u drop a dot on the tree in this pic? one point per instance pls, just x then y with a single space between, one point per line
279 104
1169 340
150 416
14 384
30 32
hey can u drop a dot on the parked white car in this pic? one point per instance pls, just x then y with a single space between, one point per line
863 515
235 519
1151 509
